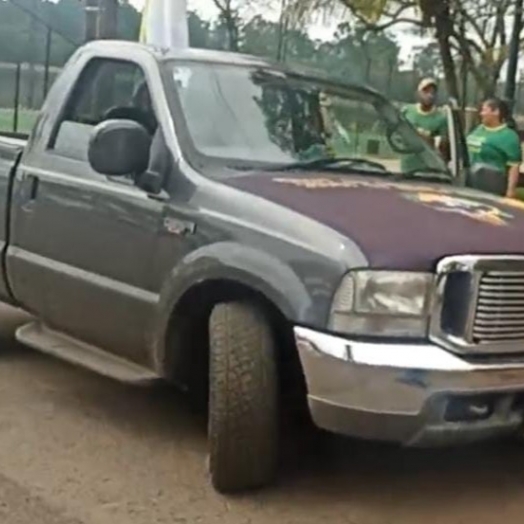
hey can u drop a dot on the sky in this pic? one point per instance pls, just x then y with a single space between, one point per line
207 10
322 30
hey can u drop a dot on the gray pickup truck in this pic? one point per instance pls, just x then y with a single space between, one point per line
244 229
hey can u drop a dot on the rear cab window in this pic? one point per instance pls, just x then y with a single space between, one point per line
105 89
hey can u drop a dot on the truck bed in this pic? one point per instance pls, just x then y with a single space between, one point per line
11 145
11 148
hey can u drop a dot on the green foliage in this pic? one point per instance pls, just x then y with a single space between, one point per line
353 54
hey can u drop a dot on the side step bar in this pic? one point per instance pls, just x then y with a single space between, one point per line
41 338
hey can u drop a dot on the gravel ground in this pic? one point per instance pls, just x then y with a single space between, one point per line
79 449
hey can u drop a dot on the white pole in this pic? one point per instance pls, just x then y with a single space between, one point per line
164 24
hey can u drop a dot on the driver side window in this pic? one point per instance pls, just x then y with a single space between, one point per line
106 89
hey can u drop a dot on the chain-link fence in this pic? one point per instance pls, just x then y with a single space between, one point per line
23 89
27 71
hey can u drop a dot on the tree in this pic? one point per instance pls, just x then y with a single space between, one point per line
427 61
474 30
354 54
229 23
129 21
200 32
260 37
514 48
361 56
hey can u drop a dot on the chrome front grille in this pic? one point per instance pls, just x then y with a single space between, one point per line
479 304
499 314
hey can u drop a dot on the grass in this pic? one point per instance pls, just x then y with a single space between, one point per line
26 120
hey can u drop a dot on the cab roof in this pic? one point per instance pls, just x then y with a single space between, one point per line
224 58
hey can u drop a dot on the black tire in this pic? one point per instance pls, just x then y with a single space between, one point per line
243 399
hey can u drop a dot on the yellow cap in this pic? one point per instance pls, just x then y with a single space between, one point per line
427 82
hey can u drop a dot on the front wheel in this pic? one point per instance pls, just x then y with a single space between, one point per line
243 399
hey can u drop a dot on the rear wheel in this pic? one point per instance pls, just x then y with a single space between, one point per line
243 398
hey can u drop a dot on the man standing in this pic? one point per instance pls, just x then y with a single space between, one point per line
425 116
430 122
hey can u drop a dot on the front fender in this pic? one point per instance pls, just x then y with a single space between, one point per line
242 264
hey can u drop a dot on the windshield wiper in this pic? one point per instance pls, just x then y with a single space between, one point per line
426 173
328 162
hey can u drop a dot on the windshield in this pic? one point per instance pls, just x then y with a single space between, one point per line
245 117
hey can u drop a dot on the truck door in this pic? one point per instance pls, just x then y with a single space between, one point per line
459 161
10 152
83 245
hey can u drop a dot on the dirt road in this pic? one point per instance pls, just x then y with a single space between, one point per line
79 449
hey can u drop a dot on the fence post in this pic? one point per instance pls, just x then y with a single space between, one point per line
49 37
17 96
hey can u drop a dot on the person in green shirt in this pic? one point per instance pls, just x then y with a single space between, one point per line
495 144
430 122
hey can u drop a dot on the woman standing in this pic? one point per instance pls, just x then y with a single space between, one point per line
495 144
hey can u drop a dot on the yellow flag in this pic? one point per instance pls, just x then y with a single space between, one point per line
164 24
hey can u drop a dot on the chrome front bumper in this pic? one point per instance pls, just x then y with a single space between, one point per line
413 394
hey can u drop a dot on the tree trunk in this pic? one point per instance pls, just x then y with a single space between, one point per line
511 81
232 31
442 28
437 14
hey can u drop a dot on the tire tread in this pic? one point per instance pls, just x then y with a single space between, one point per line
243 417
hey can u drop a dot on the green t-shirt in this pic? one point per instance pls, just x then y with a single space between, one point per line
498 147
430 124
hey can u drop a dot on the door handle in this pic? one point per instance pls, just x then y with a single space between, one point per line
162 196
33 182
29 190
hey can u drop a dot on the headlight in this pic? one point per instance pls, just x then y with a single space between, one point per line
382 303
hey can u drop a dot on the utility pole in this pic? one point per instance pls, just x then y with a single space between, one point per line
282 30
101 18
91 20
108 19
32 54
514 48
464 71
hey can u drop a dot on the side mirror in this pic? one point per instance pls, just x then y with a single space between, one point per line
119 148
488 179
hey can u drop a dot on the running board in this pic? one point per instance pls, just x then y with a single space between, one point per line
41 338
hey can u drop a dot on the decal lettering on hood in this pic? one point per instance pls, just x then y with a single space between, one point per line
440 199
463 206
401 225
335 183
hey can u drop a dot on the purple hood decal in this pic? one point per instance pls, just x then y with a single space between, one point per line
399 225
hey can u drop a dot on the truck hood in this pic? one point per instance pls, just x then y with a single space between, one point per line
399 225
